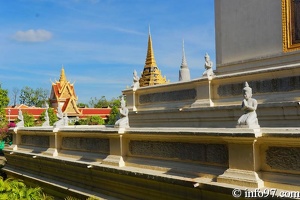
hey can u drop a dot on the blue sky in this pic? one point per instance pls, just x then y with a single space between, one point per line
100 42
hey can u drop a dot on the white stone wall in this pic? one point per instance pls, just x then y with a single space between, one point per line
247 30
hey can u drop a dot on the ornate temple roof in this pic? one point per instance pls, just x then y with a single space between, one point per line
63 93
151 74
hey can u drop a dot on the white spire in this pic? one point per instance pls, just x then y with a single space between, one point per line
149 30
183 63
184 72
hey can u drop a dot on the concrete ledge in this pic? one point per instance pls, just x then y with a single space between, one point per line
177 159
76 178
269 115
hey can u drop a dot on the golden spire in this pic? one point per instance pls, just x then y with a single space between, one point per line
151 74
62 78
150 60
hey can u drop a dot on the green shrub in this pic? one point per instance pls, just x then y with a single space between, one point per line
114 115
94 120
91 120
52 116
16 189
28 120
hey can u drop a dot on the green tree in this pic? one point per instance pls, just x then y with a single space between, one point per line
4 100
114 112
33 97
94 120
93 102
81 122
28 120
115 102
102 103
114 115
52 116
82 105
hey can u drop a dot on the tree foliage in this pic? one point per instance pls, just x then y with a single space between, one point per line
114 115
52 116
82 105
91 120
28 120
98 103
103 102
4 100
16 189
33 97
15 92
95 120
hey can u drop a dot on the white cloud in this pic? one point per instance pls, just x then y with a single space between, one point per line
31 35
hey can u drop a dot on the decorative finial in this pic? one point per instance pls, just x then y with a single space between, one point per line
151 75
246 84
184 72
184 63
247 87
62 78
150 60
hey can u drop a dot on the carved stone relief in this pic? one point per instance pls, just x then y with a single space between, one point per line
283 158
179 95
205 153
35 140
86 144
264 86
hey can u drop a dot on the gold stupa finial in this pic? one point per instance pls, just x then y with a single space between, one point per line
150 59
62 78
151 75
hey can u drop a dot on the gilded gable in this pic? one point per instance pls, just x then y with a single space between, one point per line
63 92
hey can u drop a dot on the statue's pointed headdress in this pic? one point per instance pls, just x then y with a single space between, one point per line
247 88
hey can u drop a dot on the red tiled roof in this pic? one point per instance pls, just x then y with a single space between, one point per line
36 112
102 112
95 110
57 89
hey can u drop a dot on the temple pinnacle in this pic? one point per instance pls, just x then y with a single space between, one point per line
151 75
62 78
183 63
150 59
184 72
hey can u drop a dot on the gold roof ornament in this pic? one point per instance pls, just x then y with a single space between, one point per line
62 78
151 74
150 59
